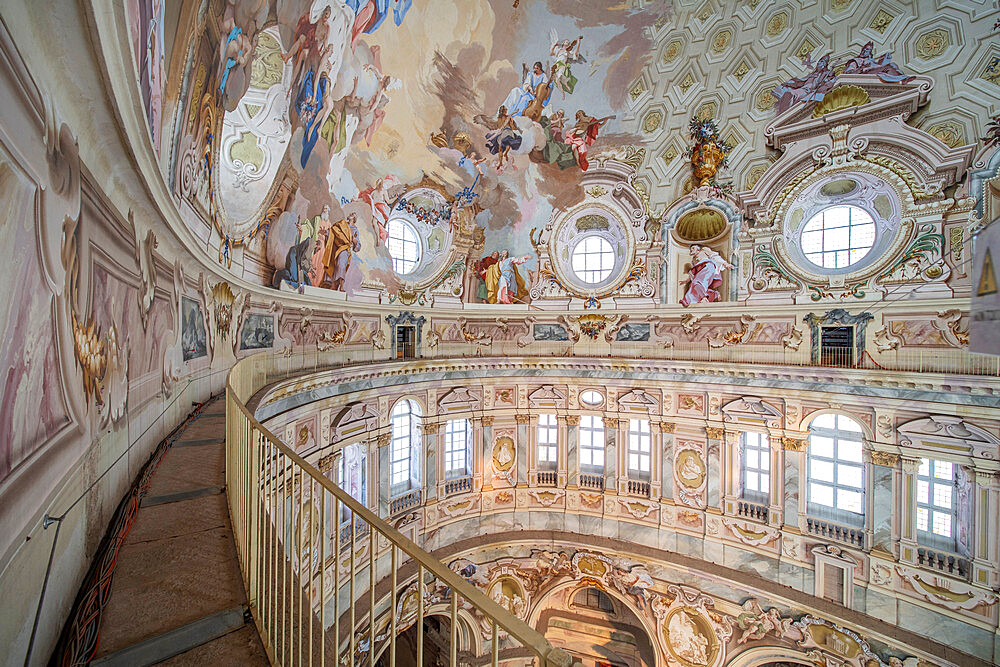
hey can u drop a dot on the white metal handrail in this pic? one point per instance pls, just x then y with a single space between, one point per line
297 571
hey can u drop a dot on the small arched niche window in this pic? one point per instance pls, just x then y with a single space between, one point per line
836 469
594 598
404 450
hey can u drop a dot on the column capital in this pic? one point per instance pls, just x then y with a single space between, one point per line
880 458
910 465
714 432
611 422
790 444
667 427
520 418
488 420
383 439
326 463
573 420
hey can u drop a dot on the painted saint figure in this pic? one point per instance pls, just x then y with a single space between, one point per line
883 66
706 275
481 267
310 40
503 282
378 198
809 88
503 138
520 97
583 135
341 243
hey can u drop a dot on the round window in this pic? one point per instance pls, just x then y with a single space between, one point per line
838 237
591 397
593 259
404 246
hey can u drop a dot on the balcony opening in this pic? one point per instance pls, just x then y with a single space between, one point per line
836 346
406 337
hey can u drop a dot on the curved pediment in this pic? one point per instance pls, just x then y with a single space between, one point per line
952 434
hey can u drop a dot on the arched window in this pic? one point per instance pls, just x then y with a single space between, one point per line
404 246
404 450
836 471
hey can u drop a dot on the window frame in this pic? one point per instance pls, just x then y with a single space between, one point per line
451 451
587 271
544 444
403 481
835 512
853 209
595 433
639 449
404 242
763 448
929 537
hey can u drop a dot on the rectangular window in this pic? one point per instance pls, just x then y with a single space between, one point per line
548 441
399 455
639 451
756 466
835 468
936 510
456 444
591 443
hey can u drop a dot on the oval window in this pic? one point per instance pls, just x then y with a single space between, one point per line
591 397
838 237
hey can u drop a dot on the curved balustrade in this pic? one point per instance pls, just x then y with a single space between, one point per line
313 575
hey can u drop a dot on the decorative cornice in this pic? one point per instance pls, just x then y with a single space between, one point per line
793 444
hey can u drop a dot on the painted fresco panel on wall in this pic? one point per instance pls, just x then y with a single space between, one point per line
257 332
193 330
633 332
31 405
550 332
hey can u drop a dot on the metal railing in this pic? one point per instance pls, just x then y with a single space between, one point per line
325 591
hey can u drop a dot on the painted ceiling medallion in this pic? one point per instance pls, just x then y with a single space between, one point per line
777 24
841 97
932 44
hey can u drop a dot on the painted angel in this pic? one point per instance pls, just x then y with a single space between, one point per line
565 53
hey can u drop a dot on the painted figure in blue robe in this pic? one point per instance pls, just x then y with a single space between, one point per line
520 97
298 262
308 104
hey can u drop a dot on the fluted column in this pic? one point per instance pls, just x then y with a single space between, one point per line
524 448
430 471
714 455
667 457
611 448
794 501
482 454
882 472
572 423
908 510
985 528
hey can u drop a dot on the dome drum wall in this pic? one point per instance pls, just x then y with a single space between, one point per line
688 502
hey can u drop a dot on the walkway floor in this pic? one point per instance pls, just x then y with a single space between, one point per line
177 597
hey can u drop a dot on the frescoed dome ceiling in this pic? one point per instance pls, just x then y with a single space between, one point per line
346 104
